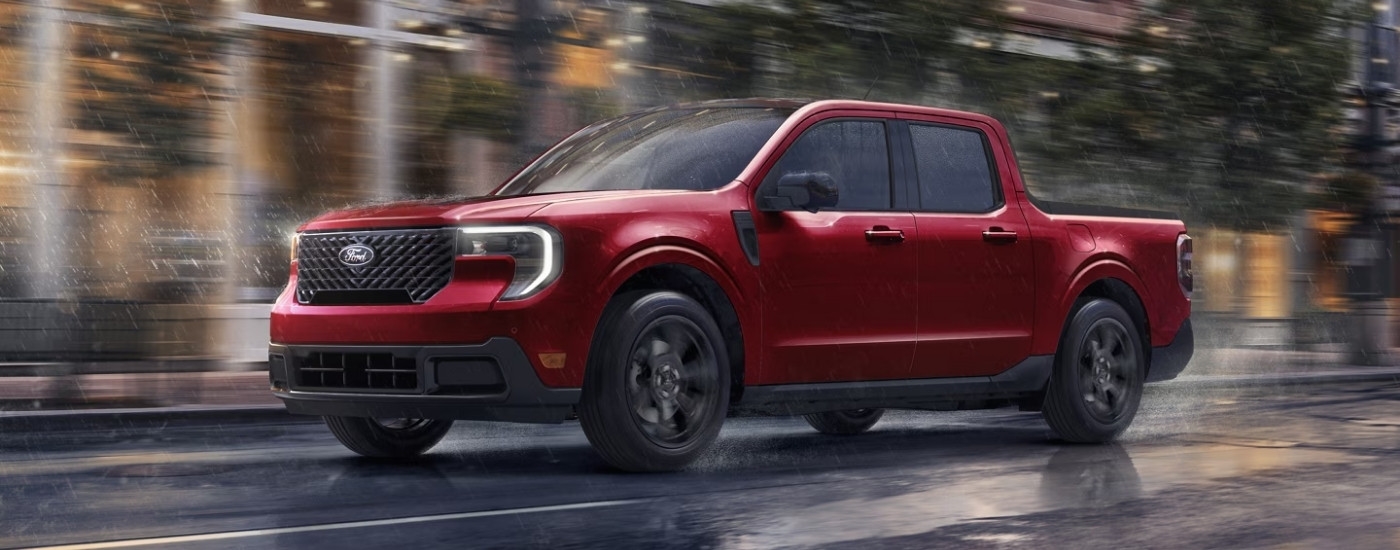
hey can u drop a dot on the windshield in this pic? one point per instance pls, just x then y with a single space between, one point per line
694 149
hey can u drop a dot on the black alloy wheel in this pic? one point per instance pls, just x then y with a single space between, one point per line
1107 363
672 381
1096 386
657 386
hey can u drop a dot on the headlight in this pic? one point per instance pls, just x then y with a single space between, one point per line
296 239
537 251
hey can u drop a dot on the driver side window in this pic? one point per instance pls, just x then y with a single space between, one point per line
854 153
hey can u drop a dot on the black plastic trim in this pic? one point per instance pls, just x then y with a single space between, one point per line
1025 378
524 398
1168 361
901 167
343 297
748 235
410 266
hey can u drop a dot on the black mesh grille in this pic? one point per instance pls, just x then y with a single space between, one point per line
356 371
409 266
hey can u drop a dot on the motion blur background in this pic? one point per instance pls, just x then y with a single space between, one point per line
155 156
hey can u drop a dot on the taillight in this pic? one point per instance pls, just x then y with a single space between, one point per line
1183 265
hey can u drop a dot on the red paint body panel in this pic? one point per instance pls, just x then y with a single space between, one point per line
835 306
824 304
976 297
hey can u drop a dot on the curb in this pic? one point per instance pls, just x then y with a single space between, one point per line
1335 376
134 417
106 418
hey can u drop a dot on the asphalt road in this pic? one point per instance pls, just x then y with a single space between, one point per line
1301 466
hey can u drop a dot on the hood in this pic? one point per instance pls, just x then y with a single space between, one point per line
435 212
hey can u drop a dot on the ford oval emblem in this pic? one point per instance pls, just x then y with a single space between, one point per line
356 255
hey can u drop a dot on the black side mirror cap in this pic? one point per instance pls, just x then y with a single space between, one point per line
810 191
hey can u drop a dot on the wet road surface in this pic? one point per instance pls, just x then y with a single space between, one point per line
1309 466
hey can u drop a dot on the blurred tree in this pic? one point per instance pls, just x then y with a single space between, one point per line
592 104
484 104
150 85
819 48
708 52
1350 192
1226 105
1229 104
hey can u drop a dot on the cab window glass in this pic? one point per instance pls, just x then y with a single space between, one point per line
854 153
954 170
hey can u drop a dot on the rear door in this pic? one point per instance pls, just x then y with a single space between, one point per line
839 287
976 288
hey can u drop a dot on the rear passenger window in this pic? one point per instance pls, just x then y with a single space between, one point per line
955 172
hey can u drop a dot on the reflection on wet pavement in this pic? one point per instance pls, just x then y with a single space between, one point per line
1072 477
1274 462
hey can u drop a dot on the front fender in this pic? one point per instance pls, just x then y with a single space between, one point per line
656 254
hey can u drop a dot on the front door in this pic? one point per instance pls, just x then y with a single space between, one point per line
839 287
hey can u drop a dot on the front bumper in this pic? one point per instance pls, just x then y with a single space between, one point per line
490 381
1168 361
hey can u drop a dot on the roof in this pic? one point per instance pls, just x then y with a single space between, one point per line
822 105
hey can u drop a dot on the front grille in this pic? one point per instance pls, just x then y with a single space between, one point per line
408 266
355 371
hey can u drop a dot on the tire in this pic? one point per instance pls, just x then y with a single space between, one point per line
1095 389
657 386
849 422
397 438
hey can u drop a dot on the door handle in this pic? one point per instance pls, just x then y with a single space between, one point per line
882 233
999 235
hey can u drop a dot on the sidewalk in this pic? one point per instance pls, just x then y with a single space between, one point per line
27 394
1241 367
190 393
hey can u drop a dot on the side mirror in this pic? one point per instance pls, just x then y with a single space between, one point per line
810 191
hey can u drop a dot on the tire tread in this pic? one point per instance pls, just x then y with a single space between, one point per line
834 423
1059 409
364 437
597 413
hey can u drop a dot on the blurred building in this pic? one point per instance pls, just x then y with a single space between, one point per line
155 156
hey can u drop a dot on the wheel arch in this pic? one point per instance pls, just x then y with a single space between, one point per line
1114 285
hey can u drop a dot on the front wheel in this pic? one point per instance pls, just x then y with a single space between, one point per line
657 385
388 438
1099 372
844 422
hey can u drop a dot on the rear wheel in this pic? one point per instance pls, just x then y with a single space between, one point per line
657 386
388 437
849 422
1096 387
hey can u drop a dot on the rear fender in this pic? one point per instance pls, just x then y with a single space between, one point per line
1093 270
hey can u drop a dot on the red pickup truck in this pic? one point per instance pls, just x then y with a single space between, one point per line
655 273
